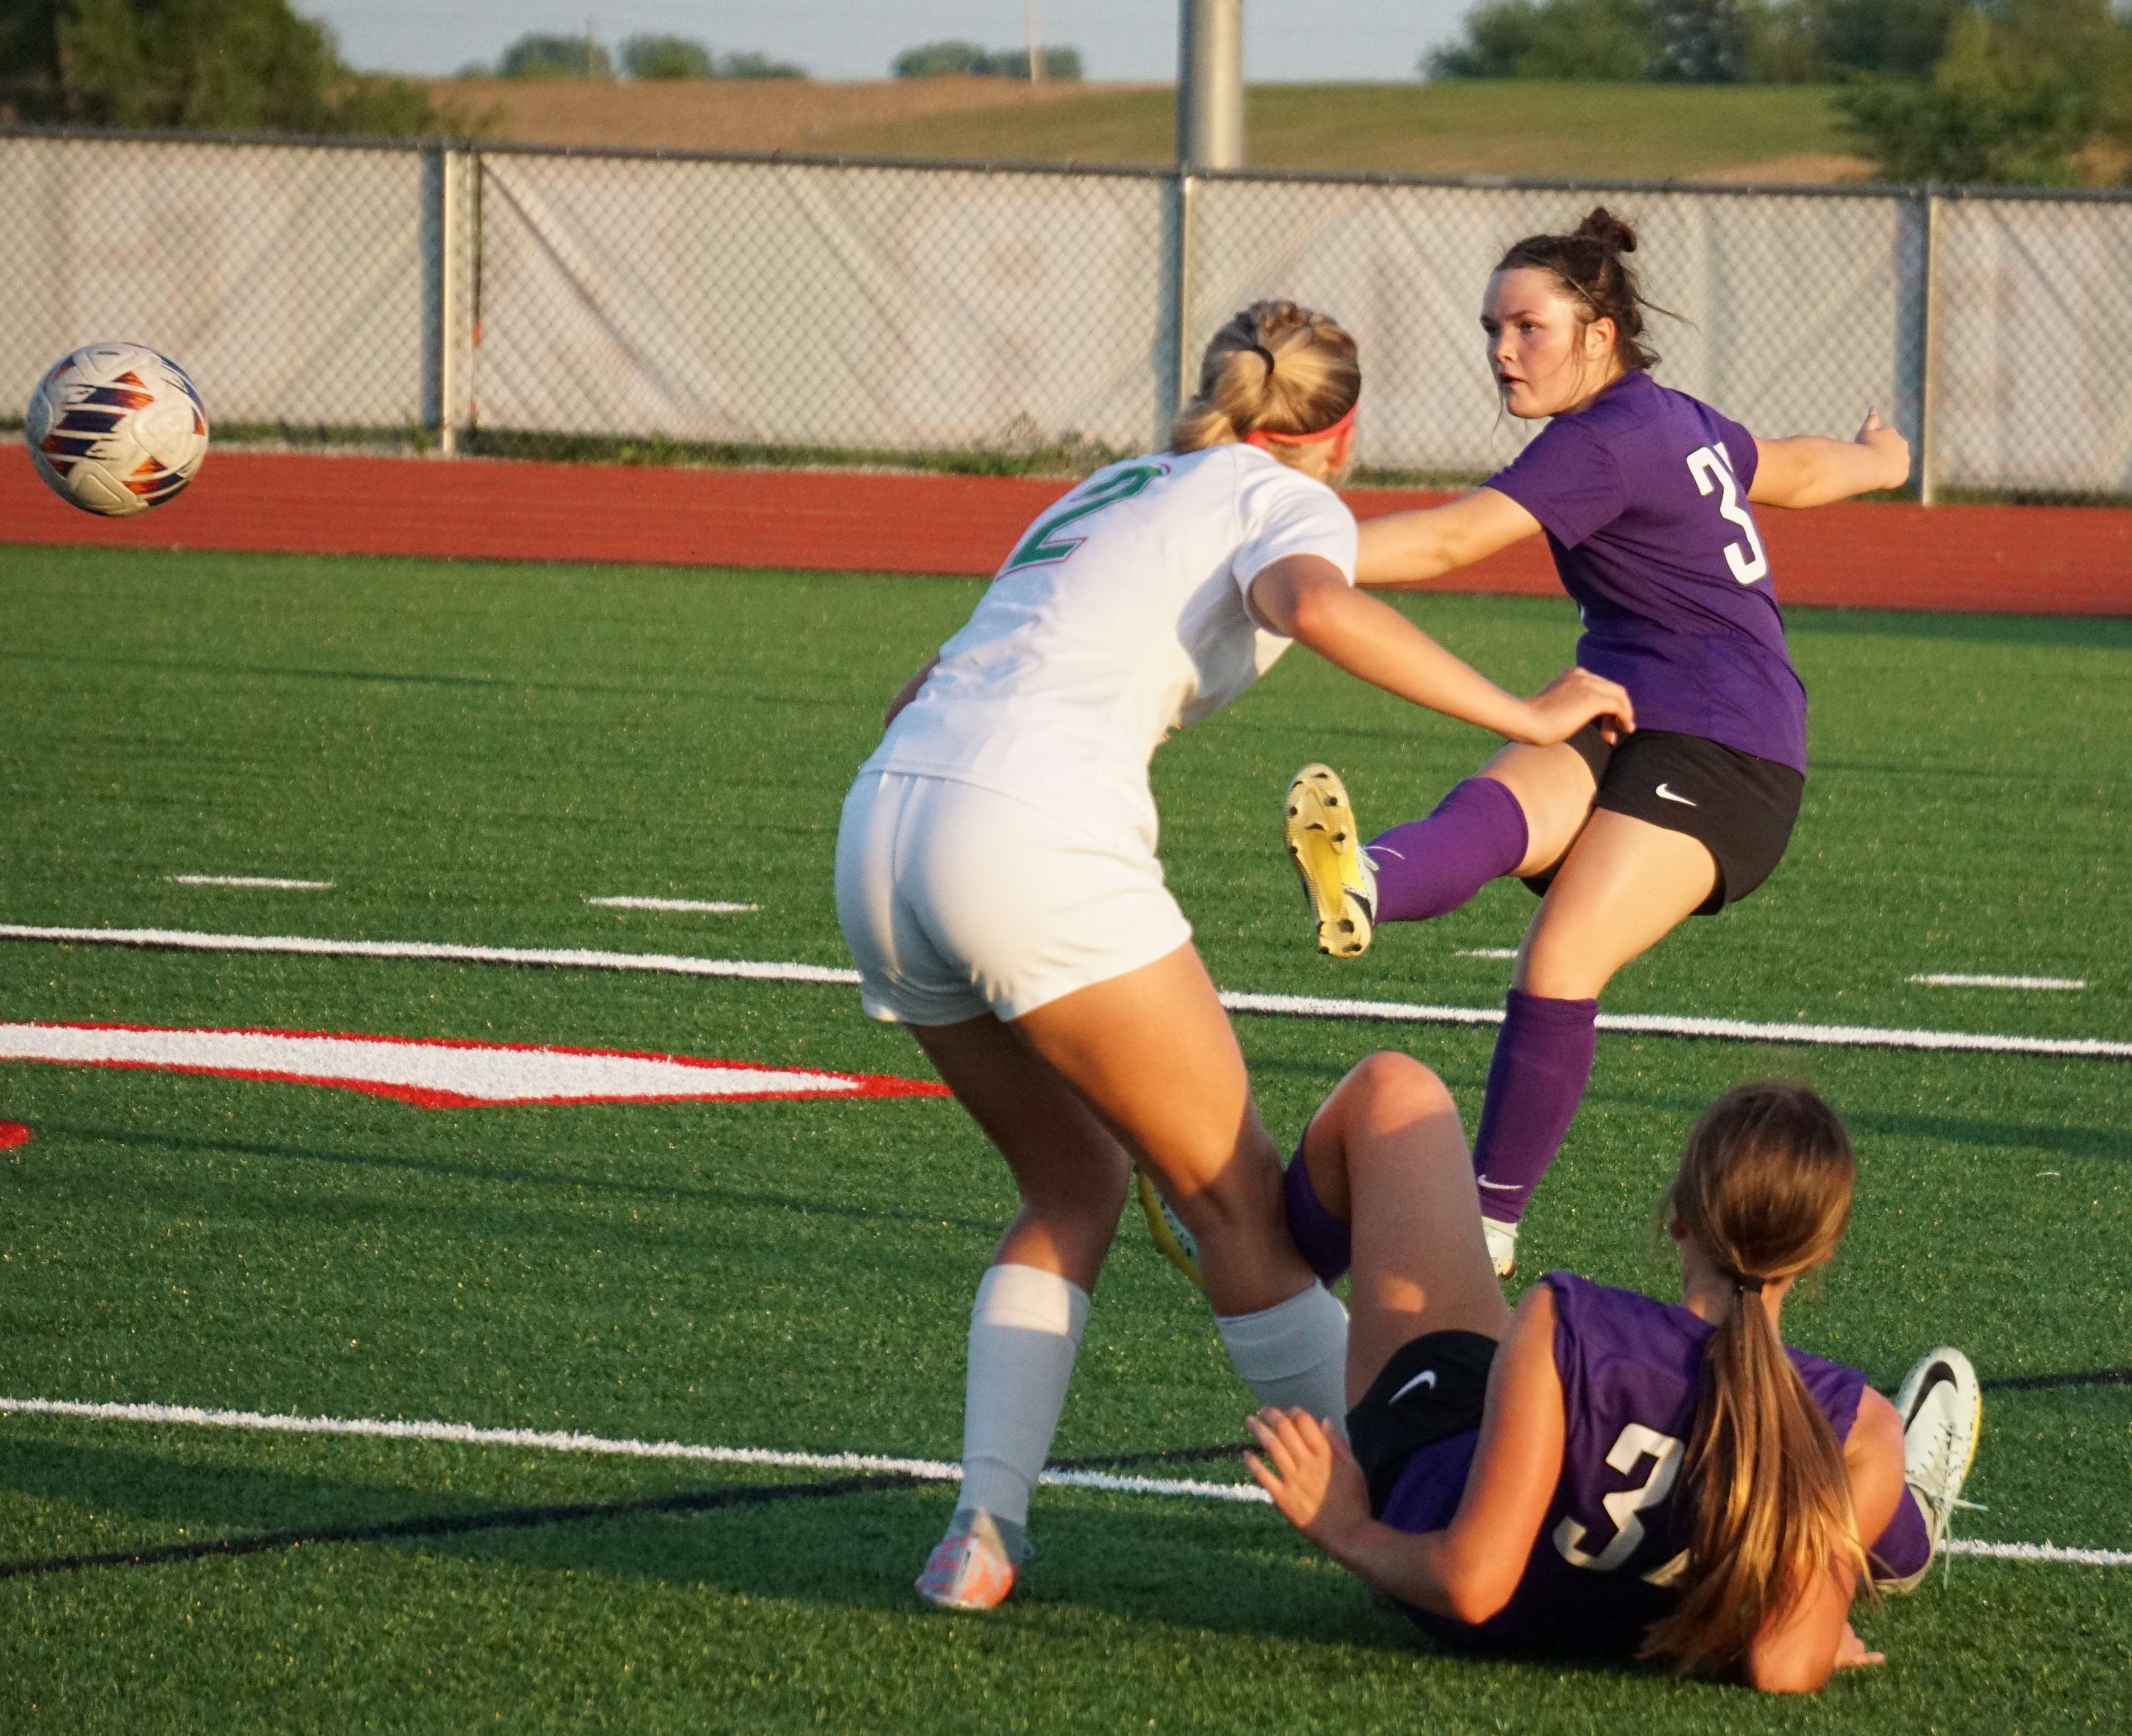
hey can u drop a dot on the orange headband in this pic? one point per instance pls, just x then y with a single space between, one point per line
1266 437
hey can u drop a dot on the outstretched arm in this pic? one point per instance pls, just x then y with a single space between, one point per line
1810 471
1799 1650
1305 598
1401 547
1468 1571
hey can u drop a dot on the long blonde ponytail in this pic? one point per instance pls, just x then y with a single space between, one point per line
1764 1192
1274 369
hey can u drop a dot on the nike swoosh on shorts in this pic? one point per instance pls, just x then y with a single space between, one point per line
1426 1378
1666 795
1500 1187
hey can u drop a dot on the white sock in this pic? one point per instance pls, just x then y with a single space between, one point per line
1024 1332
1294 1352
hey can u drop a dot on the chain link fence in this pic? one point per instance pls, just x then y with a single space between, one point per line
504 298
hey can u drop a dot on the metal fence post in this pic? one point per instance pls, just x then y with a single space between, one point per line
444 321
1929 356
1176 377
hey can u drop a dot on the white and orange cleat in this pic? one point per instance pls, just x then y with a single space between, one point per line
972 1567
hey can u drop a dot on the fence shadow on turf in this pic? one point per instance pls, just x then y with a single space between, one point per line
2068 1142
572 1181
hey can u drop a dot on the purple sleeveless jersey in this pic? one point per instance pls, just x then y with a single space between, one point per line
1615 1531
1644 497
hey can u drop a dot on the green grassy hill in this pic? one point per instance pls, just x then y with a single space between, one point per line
1521 127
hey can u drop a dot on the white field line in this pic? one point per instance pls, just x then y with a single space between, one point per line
253 880
702 906
929 1470
1283 1006
1487 952
1950 980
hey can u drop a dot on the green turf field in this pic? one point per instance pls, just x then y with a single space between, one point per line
468 752
1452 127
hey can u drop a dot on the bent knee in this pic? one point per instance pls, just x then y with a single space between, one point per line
1392 1080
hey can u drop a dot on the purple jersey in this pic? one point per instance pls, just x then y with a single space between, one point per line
1616 1533
1644 497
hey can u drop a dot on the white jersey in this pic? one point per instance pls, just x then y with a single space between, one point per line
1120 616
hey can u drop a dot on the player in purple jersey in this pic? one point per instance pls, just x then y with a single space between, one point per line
1645 496
1599 1470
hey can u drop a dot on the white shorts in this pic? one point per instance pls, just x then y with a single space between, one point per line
958 902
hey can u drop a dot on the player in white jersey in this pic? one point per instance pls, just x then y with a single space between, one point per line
997 881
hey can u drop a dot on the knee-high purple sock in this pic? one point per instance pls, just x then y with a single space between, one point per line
1905 1548
1426 867
1542 1063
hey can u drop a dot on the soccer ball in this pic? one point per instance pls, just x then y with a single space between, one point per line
117 429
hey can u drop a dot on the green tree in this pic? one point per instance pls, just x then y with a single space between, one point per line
1904 37
2017 97
666 57
242 64
1603 39
538 56
946 60
749 65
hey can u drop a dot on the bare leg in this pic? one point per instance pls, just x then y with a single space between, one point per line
1555 787
1387 1154
1627 884
1624 884
1071 1171
1153 1053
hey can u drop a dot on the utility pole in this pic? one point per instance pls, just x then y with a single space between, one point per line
1035 12
1210 85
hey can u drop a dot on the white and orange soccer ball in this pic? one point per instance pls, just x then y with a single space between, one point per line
117 429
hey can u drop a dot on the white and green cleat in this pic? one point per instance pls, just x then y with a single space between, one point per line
1943 1412
1338 884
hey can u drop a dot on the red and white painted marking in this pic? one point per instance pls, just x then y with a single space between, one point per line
436 1073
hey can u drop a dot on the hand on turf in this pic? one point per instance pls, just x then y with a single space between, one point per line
1893 450
1573 699
1850 1652
1312 1477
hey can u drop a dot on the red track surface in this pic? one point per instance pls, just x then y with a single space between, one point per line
2074 560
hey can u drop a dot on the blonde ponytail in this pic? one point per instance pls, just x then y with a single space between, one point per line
1764 1192
1275 369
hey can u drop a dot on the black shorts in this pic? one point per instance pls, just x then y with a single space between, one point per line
1405 1411
1741 808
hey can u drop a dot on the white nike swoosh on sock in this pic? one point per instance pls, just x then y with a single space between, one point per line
1426 1378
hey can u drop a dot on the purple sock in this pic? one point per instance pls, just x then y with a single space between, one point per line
1905 1546
1426 867
1321 1238
1542 1063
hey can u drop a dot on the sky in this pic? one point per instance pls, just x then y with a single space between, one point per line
856 39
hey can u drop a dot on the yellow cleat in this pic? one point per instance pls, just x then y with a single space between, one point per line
1171 1235
1338 884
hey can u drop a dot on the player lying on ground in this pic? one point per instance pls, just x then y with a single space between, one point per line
1644 494
997 881
1598 1469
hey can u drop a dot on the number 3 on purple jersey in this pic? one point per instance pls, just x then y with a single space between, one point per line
1711 468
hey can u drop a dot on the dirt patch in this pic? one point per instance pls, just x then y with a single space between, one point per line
1805 166
727 114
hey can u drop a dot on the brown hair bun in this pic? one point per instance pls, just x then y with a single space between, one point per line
1610 231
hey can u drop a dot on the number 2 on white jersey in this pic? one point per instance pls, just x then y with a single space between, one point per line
1635 1442
1711 468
